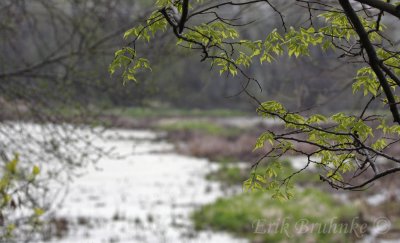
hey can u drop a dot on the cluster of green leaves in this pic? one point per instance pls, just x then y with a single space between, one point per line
366 77
222 44
337 145
390 59
231 174
227 49
210 34
126 58
14 180
219 37
270 179
334 143
339 28
294 43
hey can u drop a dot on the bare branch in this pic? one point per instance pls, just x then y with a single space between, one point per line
383 6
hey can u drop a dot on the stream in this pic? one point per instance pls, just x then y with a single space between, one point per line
142 192
146 195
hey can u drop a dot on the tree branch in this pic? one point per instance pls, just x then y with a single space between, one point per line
374 61
383 6
376 177
185 10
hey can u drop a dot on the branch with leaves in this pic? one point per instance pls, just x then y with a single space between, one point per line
346 149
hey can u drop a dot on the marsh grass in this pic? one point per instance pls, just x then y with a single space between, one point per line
240 215
204 127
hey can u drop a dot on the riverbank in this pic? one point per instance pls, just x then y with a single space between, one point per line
216 151
229 141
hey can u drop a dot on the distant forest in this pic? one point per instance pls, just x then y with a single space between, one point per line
55 55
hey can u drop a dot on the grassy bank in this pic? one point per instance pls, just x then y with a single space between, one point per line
260 218
203 127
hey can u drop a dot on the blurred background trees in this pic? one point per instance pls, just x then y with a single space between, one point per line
58 52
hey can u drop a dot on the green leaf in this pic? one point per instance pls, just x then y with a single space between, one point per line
12 165
38 212
35 170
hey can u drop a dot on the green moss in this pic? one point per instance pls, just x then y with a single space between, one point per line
276 221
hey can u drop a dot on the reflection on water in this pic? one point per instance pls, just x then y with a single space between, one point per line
144 192
145 196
